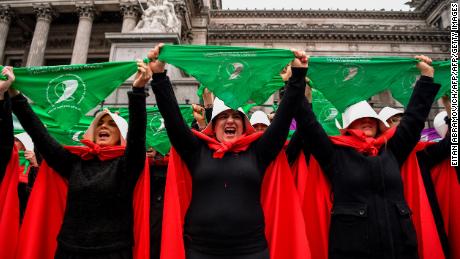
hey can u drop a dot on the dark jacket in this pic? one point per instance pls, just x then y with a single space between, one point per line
6 134
370 217
98 215
225 216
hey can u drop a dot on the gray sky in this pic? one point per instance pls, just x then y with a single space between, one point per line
317 4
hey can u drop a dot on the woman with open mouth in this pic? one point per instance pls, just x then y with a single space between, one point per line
227 163
370 216
101 176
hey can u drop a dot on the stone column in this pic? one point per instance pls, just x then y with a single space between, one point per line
130 12
5 18
44 14
81 44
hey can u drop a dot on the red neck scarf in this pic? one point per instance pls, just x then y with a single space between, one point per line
283 216
46 206
91 150
220 148
362 143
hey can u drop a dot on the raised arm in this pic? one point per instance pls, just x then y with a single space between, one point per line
6 128
315 138
135 143
297 144
273 139
179 133
408 131
294 147
54 153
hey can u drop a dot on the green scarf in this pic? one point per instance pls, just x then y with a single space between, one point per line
23 162
68 137
68 92
402 88
234 74
347 80
156 135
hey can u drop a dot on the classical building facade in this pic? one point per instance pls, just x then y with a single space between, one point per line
54 32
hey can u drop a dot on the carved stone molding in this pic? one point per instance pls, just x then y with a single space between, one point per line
353 47
5 14
186 35
181 9
44 11
86 10
363 37
310 47
198 4
334 32
400 15
130 9
316 27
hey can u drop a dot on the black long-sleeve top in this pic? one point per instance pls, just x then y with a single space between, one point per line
370 217
225 215
6 134
98 215
297 145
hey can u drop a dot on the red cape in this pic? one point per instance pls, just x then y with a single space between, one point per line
45 211
283 217
9 208
315 199
317 203
447 189
448 193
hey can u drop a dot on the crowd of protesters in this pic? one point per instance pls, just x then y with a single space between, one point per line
233 186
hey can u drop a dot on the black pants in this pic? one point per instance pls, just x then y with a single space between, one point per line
119 254
192 254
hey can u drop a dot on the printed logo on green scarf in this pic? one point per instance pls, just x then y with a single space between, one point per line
62 92
233 69
76 136
234 74
157 125
349 73
67 92
328 114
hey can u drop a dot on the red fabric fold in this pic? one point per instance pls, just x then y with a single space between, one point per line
359 141
23 176
45 211
447 190
448 193
316 202
283 217
220 148
429 245
9 208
